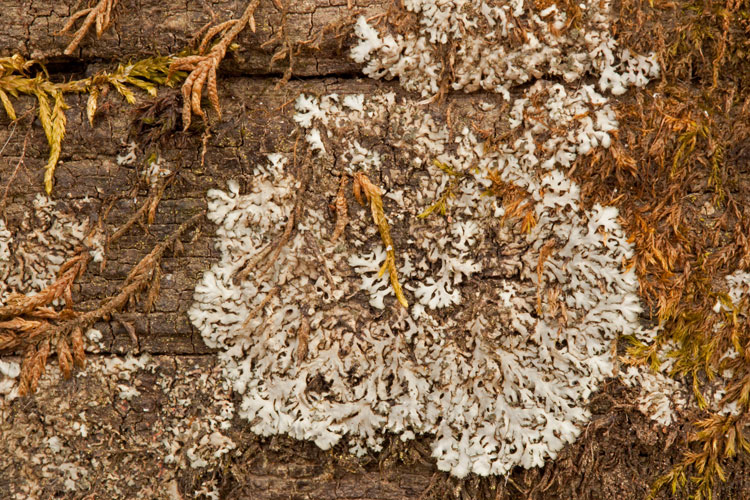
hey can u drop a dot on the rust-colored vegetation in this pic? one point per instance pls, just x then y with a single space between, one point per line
203 66
678 173
100 15
32 324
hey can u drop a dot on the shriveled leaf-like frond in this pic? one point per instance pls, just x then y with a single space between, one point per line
373 195
91 105
18 305
64 357
16 64
145 74
30 321
544 253
76 340
100 15
342 211
203 67
54 128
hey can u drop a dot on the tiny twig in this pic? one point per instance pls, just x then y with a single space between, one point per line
342 211
312 242
271 294
275 248
137 278
252 262
148 206
303 334
130 329
204 145
544 252
10 136
288 229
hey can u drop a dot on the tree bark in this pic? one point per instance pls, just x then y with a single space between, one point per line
126 448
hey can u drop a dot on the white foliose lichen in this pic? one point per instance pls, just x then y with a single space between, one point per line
155 170
514 309
30 258
501 379
480 44
10 369
738 284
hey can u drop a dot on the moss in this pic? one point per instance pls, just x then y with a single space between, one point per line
19 76
676 173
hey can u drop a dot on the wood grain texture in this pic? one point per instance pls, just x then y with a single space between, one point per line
617 457
145 28
253 126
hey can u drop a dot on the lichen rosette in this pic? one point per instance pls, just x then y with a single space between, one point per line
516 292
513 311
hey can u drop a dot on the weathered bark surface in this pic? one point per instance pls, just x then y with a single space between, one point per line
123 453
252 126
124 448
145 28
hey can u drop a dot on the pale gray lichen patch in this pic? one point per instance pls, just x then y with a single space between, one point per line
81 438
514 311
47 236
659 395
497 369
478 44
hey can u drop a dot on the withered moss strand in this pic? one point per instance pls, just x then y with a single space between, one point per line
36 336
373 195
203 67
682 133
342 210
100 15
15 79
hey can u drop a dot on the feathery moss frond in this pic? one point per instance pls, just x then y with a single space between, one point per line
100 14
16 79
373 195
203 67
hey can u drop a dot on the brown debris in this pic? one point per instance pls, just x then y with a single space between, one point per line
342 211
303 334
544 252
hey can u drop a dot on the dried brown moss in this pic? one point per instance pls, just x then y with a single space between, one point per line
678 173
